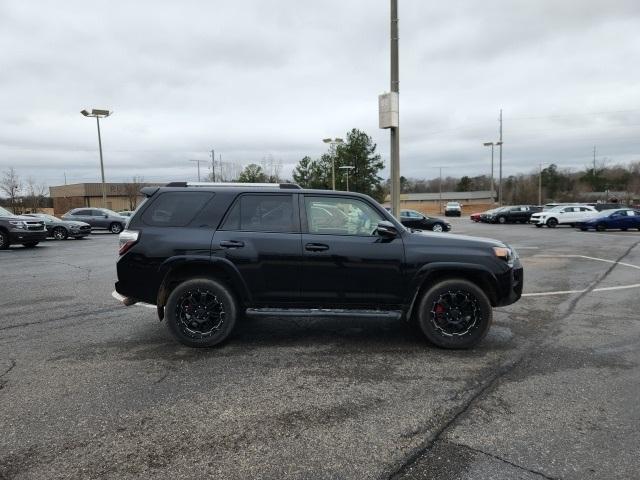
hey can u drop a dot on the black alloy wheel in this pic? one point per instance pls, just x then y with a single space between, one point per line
115 227
455 314
60 233
201 312
4 240
552 223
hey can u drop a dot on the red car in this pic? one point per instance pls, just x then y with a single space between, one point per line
475 216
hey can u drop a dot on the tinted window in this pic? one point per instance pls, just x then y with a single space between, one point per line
261 213
82 212
175 209
98 213
341 216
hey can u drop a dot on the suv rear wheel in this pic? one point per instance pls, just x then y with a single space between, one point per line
455 314
201 312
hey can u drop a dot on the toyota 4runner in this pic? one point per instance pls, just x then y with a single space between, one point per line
206 254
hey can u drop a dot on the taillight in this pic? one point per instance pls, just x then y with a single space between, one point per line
128 238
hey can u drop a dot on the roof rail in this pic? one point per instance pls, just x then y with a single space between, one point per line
233 184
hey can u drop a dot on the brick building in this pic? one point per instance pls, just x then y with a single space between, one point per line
120 196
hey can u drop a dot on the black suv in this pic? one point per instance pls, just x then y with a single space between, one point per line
206 254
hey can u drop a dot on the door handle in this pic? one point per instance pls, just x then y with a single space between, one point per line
231 244
316 247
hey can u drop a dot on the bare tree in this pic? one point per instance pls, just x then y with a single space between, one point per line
11 186
132 190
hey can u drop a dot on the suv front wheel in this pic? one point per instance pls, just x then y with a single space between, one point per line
455 314
201 312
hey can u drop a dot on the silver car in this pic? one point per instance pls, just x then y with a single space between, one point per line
98 218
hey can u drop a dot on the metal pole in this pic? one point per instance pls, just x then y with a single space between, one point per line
540 186
492 185
440 197
347 179
395 131
333 166
213 165
104 187
500 184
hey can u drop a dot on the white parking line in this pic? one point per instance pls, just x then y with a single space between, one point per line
601 289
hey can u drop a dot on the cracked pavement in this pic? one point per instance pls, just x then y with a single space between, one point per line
89 388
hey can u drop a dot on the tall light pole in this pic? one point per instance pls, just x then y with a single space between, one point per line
98 114
440 189
395 130
491 144
333 142
346 169
540 186
198 162
500 144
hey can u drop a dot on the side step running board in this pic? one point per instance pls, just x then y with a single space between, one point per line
322 312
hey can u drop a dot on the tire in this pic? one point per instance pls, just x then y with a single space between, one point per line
601 227
459 336
115 227
4 240
538 225
502 220
60 233
30 244
437 227
180 311
552 223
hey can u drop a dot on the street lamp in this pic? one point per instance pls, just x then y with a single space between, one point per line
333 142
347 168
492 144
98 114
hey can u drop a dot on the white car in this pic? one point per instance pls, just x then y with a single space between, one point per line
563 215
453 209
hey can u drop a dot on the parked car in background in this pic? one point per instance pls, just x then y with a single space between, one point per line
98 218
623 219
563 215
125 213
419 221
28 231
453 209
62 229
512 214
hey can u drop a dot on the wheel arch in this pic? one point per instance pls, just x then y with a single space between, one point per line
434 273
177 269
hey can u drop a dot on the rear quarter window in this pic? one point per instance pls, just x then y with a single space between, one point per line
175 209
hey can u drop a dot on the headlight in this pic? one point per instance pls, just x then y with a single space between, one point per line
508 254
18 224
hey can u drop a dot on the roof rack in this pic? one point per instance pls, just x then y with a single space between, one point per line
234 184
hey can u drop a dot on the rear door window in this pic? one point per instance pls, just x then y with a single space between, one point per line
261 213
84 213
175 209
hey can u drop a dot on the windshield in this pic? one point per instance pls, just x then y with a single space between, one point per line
5 213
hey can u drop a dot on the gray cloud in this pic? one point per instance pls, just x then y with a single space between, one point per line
251 78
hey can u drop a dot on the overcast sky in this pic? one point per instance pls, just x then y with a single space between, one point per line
253 78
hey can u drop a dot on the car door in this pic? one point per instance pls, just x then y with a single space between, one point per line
260 235
345 262
83 215
410 219
100 219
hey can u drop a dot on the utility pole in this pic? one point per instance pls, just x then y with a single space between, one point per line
440 196
500 181
198 162
395 131
213 165
540 186
491 144
594 161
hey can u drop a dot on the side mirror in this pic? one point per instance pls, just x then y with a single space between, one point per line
387 229
106 216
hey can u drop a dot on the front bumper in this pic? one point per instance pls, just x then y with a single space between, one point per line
18 235
510 285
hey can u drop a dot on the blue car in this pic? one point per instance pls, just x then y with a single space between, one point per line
622 219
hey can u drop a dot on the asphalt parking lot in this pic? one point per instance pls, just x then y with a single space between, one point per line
93 389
